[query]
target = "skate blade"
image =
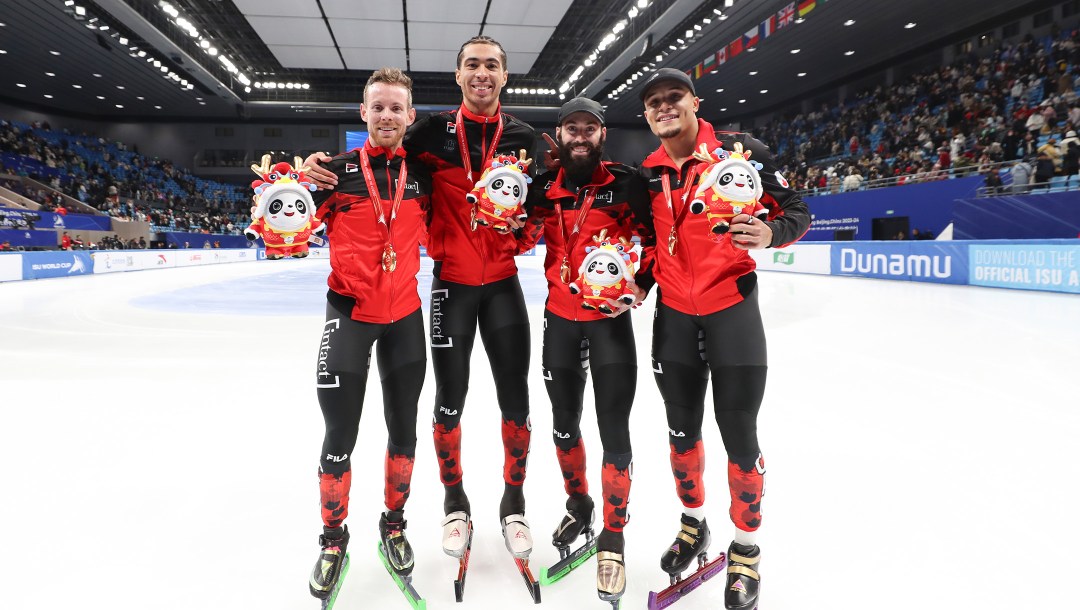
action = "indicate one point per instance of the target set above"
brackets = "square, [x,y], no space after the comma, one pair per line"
[328,603]
[530,580]
[615,601]
[404,583]
[463,568]
[567,564]
[677,591]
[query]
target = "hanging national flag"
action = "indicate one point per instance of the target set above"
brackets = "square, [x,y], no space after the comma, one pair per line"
[721,56]
[768,27]
[709,65]
[750,38]
[698,71]
[805,6]
[786,16]
[690,73]
[734,48]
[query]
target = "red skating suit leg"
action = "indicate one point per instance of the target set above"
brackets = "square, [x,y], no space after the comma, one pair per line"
[747,488]
[334,495]
[448,450]
[516,439]
[572,464]
[399,467]
[688,468]
[615,478]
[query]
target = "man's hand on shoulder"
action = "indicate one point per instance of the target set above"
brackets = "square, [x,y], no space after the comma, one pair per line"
[319,175]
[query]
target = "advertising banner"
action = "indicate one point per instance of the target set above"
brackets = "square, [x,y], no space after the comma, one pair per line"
[29,239]
[1025,266]
[37,265]
[917,261]
[111,261]
[798,258]
[74,222]
[928,207]
[11,267]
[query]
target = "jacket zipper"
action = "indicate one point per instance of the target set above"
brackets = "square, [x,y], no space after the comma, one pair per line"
[686,243]
[390,237]
[483,250]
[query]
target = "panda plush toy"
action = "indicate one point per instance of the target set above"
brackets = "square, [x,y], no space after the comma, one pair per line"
[500,193]
[729,186]
[607,274]
[284,212]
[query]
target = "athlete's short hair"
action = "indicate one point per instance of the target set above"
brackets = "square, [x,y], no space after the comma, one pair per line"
[482,40]
[390,76]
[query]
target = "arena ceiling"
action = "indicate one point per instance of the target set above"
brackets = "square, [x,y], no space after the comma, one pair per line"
[129,60]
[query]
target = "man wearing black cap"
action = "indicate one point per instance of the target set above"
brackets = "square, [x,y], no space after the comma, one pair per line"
[588,209]
[708,324]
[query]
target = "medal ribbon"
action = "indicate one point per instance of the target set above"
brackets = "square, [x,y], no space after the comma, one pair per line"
[569,241]
[373,190]
[677,220]
[463,145]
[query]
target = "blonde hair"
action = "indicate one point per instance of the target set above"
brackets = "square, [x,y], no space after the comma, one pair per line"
[390,76]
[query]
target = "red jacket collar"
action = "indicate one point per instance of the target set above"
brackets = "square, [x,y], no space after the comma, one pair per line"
[480,118]
[706,135]
[382,151]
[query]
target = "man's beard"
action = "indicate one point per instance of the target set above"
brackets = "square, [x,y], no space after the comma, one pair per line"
[668,130]
[580,169]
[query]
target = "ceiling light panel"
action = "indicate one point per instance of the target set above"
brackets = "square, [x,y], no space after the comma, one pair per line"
[441,11]
[515,12]
[373,59]
[365,34]
[521,63]
[439,36]
[520,38]
[289,30]
[277,8]
[319,58]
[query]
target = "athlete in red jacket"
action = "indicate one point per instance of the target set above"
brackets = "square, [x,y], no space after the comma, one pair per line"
[577,207]
[475,285]
[708,323]
[375,224]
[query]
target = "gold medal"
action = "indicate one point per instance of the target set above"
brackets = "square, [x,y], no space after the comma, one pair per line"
[564,271]
[389,259]
[672,240]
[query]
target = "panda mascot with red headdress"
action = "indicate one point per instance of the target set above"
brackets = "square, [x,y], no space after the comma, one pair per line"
[284,212]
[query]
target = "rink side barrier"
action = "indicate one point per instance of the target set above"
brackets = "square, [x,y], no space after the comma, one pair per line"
[39,265]
[1051,265]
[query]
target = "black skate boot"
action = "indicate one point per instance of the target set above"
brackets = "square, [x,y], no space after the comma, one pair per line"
[392,535]
[577,520]
[692,541]
[743,580]
[329,567]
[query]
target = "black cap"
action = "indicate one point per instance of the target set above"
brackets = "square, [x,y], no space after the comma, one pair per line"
[581,104]
[666,75]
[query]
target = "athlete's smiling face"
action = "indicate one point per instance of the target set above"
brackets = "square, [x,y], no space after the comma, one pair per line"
[481,76]
[387,112]
[670,108]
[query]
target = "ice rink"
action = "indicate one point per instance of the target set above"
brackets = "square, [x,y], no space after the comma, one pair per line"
[161,436]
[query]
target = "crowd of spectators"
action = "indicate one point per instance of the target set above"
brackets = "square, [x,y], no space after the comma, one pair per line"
[975,115]
[117,181]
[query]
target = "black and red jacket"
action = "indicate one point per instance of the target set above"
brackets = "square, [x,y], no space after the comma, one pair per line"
[466,256]
[707,273]
[357,239]
[621,206]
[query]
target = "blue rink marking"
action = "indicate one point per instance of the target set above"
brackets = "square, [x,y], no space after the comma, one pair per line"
[291,292]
